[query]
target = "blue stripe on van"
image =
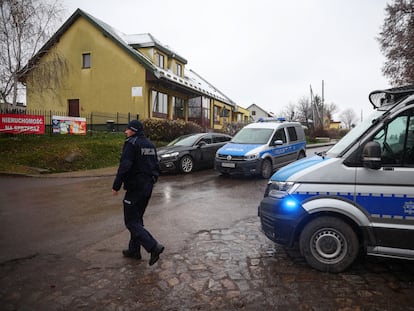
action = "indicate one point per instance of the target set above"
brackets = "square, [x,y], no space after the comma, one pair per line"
[389,206]
[285,172]
[285,149]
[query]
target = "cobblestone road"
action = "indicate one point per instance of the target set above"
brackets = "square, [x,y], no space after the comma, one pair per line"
[233,268]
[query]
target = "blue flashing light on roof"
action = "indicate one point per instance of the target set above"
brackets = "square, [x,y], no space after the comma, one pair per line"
[279,119]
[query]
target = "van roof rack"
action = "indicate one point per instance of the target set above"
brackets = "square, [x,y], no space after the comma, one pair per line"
[390,96]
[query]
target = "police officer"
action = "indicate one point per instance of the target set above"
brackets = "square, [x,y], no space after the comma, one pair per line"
[138,171]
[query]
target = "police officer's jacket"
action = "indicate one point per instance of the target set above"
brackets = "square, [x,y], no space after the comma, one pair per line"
[138,165]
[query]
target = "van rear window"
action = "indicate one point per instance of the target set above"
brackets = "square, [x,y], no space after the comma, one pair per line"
[292,133]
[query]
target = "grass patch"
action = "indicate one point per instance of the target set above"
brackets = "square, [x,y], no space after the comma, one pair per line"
[59,153]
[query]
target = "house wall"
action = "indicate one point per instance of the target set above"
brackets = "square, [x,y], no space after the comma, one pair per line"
[105,87]
[242,115]
[217,122]
[256,112]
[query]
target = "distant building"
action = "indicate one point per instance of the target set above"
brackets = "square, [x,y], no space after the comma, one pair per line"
[256,112]
[335,125]
[101,69]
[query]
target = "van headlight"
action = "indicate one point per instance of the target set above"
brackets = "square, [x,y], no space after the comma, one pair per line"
[251,157]
[278,189]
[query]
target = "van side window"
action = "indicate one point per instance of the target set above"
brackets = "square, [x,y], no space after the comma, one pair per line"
[280,135]
[397,140]
[292,133]
[409,152]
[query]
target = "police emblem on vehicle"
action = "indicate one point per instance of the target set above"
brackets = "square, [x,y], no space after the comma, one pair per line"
[409,208]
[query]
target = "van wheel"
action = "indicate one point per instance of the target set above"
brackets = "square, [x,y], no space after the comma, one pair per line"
[329,244]
[267,169]
[186,164]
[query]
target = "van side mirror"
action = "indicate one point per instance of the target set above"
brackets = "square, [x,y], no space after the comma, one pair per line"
[371,155]
[278,142]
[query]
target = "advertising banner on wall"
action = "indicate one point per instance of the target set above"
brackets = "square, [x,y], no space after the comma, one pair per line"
[22,124]
[68,125]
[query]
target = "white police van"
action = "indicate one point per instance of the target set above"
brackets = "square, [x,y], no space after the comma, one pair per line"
[260,148]
[359,195]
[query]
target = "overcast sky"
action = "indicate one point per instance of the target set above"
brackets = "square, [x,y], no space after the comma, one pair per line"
[266,52]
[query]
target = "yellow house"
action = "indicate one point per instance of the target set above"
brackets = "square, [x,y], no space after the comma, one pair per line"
[90,67]
[335,125]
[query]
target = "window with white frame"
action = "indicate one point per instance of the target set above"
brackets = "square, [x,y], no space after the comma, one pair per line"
[159,104]
[216,115]
[160,60]
[178,108]
[179,70]
[206,108]
[194,107]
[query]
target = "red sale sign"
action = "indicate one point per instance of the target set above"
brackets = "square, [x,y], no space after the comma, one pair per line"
[22,124]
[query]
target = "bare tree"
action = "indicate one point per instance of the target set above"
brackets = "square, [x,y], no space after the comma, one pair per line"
[397,42]
[330,110]
[25,25]
[305,111]
[348,117]
[317,111]
[289,112]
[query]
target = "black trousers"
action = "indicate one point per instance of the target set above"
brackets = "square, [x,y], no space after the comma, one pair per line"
[135,203]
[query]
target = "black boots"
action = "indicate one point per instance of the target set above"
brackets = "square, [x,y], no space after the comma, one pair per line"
[131,254]
[155,253]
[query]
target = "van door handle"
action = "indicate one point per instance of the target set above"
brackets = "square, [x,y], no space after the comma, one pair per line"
[387,168]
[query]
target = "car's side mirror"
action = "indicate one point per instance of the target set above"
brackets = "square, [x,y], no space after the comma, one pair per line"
[201,143]
[371,155]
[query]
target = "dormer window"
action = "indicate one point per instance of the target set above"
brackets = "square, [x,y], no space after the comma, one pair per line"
[179,70]
[86,60]
[160,60]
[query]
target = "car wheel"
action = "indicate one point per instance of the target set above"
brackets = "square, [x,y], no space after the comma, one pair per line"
[267,169]
[329,244]
[301,155]
[186,164]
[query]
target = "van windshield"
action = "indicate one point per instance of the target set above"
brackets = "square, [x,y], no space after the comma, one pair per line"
[353,135]
[252,136]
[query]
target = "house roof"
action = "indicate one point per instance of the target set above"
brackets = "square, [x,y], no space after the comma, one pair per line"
[191,81]
[148,40]
[252,106]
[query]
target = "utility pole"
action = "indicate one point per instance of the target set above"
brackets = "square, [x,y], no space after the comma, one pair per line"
[312,105]
[322,104]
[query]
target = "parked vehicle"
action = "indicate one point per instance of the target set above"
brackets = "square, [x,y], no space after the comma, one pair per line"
[262,147]
[189,152]
[359,195]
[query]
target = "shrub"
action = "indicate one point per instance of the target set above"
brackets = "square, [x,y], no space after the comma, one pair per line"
[167,130]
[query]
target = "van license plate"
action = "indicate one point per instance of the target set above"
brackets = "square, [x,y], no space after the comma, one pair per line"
[227,164]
